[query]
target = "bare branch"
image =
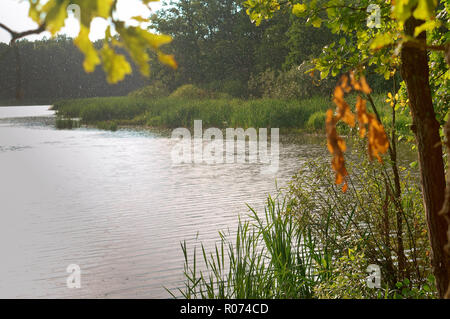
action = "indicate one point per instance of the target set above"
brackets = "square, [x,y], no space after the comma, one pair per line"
[18,35]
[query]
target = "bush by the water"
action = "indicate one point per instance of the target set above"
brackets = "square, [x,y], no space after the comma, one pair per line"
[189,91]
[227,88]
[152,91]
[316,121]
[291,84]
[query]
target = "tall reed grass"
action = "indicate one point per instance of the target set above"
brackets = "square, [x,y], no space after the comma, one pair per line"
[270,257]
[172,112]
[175,112]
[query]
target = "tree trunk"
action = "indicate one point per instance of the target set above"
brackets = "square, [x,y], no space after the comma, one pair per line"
[415,72]
[445,212]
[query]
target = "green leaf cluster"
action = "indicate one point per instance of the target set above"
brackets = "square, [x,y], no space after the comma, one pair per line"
[136,40]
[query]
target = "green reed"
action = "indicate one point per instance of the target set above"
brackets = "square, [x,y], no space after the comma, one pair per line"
[173,112]
[269,256]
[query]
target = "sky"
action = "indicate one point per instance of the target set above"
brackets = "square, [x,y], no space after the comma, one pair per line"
[14,14]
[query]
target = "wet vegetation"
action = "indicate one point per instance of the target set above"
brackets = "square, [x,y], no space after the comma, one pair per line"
[314,241]
[181,109]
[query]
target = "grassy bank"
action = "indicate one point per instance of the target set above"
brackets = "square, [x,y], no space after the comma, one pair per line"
[171,112]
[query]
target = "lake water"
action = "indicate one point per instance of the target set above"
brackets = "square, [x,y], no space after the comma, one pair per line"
[113,203]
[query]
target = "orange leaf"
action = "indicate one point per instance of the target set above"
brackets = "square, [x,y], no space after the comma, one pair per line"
[345,187]
[378,142]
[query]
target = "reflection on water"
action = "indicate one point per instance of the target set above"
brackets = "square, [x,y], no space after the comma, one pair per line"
[113,204]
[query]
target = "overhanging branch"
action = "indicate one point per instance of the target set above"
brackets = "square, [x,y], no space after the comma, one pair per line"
[18,35]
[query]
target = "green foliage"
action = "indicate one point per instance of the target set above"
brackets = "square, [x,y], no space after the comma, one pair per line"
[405,290]
[365,216]
[154,90]
[289,85]
[222,112]
[189,91]
[316,121]
[235,113]
[60,63]
[439,67]
[182,113]
[270,257]
[225,112]
[95,110]
[136,40]
[66,124]
[234,88]
[348,279]
[107,126]
[218,48]
[213,41]
[341,17]
[355,45]
[304,42]
[175,112]
[318,242]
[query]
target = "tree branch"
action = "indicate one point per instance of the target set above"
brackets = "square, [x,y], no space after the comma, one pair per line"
[423,46]
[18,35]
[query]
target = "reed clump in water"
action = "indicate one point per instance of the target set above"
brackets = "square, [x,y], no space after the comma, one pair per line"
[66,123]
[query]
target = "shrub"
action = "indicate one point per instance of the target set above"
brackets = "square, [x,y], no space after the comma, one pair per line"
[220,96]
[234,88]
[154,90]
[189,91]
[293,84]
[366,214]
[348,279]
[226,89]
[316,121]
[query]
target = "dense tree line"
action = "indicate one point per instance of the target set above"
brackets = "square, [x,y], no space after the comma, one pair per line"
[215,44]
[219,48]
[52,69]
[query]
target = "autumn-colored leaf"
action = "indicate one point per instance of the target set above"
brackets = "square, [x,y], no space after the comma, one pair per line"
[168,60]
[378,142]
[363,118]
[360,84]
[336,146]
